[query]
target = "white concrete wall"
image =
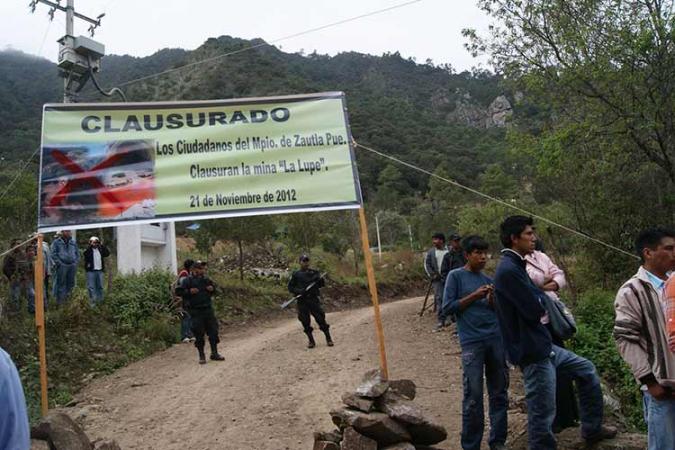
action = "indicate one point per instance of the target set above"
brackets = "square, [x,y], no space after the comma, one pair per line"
[141,247]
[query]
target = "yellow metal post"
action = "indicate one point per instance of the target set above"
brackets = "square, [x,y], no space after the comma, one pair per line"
[372,286]
[40,323]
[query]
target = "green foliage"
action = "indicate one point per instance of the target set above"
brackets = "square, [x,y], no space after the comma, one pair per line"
[594,313]
[204,240]
[390,185]
[242,230]
[604,64]
[484,221]
[497,183]
[139,297]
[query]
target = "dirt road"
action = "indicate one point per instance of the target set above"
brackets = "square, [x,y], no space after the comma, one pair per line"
[271,393]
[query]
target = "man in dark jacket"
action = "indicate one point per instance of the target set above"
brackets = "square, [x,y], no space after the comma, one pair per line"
[456,258]
[305,284]
[437,266]
[94,266]
[19,269]
[522,321]
[65,256]
[197,291]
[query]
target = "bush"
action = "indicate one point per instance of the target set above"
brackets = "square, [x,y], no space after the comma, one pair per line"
[137,298]
[595,320]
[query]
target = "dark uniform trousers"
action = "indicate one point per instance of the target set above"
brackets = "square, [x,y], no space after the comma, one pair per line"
[311,306]
[204,322]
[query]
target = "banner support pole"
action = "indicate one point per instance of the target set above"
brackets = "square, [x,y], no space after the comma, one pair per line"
[40,323]
[372,286]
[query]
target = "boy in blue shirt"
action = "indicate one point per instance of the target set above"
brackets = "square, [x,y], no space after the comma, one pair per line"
[469,296]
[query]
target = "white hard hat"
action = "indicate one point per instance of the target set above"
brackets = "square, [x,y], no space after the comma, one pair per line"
[94,239]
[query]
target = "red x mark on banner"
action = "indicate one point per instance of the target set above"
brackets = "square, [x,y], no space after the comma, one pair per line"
[84,177]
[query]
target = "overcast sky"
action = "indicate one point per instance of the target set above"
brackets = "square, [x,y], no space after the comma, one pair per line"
[427,29]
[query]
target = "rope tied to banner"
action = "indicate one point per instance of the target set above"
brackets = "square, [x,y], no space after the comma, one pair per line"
[32,238]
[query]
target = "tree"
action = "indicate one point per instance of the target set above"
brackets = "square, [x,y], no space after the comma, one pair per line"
[341,235]
[204,240]
[304,230]
[497,183]
[605,63]
[240,230]
[390,186]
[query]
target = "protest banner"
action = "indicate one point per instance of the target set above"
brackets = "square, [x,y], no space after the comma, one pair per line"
[116,163]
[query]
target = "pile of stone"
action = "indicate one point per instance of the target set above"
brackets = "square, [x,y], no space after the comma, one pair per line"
[381,415]
[57,431]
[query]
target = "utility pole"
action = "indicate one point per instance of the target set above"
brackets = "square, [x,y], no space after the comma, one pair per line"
[78,58]
[70,29]
[379,245]
[77,55]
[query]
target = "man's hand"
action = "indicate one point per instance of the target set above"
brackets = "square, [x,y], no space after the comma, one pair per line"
[482,291]
[491,296]
[671,343]
[551,286]
[209,288]
[194,290]
[659,392]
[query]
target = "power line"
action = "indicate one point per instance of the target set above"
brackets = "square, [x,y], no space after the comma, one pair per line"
[496,200]
[11,183]
[274,41]
[44,39]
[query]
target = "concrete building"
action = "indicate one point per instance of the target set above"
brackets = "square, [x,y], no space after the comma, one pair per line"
[142,247]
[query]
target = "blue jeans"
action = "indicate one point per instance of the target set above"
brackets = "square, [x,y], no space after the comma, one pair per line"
[26,286]
[660,419]
[185,326]
[65,282]
[477,357]
[540,383]
[95,286]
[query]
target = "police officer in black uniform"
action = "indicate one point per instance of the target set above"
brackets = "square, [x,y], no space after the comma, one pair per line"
[305,283]
[197,291]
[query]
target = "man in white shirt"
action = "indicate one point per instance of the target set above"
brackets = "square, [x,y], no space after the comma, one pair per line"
[436,265]
[95,268]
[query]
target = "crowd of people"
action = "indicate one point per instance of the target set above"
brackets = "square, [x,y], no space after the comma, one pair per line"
[517,318]
[60,263]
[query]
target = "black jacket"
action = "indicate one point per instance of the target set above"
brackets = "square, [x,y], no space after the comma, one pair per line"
[301,279]
[456,259]
[89,257]
[519,312]
[431,265]
[202,299]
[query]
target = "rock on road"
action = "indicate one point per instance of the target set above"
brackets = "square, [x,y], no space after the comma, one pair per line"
[271,393]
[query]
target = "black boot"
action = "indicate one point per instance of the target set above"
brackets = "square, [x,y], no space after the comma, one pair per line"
[215,356]
[311,343]
[202,356]
[329,341]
